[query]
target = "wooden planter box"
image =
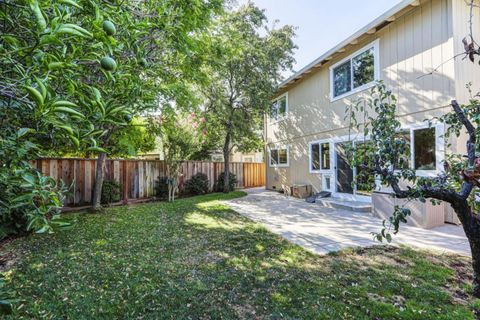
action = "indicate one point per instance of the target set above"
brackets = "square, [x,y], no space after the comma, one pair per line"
[423,215]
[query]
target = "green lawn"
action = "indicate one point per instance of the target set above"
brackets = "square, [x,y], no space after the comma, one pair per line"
[197,259]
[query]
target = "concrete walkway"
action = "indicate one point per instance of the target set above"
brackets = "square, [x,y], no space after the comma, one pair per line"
[322,230]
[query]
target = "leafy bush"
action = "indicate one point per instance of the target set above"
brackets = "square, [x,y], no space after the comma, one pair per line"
[232,181]
[6,298]
[111,192]
[198,184]
[161,187]
[29,201]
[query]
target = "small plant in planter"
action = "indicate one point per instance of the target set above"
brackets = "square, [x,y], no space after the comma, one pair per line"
[111,192]
[198,184]
[232,181]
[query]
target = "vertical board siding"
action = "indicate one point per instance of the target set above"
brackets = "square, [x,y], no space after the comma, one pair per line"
[138,177]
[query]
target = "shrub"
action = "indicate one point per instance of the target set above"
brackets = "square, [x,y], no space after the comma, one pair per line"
[161,187]
[6,297]
[232,181]
[111,192]
[198,184]
[29,201]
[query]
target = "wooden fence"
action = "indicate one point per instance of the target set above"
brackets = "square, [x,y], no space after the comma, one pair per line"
[138,177]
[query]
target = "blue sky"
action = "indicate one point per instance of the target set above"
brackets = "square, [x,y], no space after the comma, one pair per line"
[322,24]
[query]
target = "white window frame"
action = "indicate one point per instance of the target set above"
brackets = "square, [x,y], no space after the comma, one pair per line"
[320,142]
[376,64]
[278,165]
[439,148]
[278,119]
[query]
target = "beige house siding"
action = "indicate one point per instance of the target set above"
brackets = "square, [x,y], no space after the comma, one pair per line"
[416,61]
[464,71]
[409,49]
[238,156]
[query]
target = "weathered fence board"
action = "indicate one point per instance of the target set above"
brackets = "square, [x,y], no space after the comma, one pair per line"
[138,177]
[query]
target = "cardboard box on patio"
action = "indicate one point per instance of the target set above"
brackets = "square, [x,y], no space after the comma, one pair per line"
[301,191]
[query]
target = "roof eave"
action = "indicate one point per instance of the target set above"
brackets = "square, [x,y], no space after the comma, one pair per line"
[387,16]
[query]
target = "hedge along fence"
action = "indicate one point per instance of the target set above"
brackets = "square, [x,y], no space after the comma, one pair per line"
[138,177]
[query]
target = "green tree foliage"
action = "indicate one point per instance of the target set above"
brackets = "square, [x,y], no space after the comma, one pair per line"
[76,72]
[137,137]
[387,152]
[36,109]
[244,66]
[182,137]
[28,200]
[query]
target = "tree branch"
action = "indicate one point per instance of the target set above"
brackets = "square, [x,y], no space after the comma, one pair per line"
[467,186]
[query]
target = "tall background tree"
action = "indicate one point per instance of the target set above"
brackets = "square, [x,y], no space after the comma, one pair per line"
[245,63]
[182,136]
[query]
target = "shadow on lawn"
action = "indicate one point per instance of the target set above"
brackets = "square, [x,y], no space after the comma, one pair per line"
[198,259]
[274,277]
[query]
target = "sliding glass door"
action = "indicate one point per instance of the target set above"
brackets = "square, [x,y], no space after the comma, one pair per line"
[346,175]
[343,169]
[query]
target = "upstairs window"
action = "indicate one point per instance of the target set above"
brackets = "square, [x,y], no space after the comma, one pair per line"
[279,108]
[319,156]
[342,79]
[355,73]
[279,157]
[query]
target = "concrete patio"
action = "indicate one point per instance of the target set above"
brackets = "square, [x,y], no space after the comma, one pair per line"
[322,229]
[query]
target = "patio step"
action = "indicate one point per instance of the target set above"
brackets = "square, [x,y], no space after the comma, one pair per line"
[356,206]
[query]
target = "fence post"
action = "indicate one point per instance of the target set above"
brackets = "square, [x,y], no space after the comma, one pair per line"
[244,170]
[125,181]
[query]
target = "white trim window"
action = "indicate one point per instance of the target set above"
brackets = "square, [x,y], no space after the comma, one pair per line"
[279,108]
[320,156]
[279,157]
[427,147]
[355,73]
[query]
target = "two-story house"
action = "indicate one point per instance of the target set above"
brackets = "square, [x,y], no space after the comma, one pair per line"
[411,48]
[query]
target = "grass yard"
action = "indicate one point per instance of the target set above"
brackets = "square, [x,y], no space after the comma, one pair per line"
[197,259]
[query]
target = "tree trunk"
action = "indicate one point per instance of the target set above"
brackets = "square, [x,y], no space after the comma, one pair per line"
[474,240]
[472,231]
[97,189]
[471,226]
[172,189]
[226,161]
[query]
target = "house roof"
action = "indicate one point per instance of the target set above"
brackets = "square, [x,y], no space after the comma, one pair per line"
[370,29]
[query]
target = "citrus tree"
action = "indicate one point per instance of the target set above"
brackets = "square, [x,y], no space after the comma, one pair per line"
[75,72]
[37,108]
[244,66]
